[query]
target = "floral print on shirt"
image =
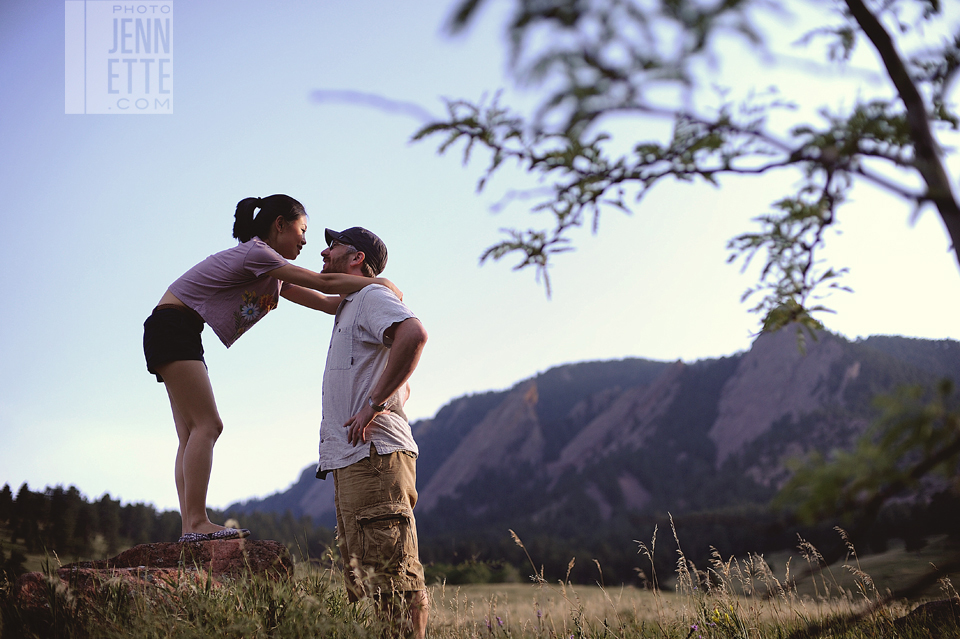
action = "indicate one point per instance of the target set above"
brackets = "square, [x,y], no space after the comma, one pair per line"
[252,308]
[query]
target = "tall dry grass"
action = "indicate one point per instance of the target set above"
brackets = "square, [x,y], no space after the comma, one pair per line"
[732,597]
[727,598]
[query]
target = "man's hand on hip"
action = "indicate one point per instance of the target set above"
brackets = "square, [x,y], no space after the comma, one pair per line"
[360,425]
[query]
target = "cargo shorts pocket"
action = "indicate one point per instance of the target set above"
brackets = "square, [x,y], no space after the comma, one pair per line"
[385,539]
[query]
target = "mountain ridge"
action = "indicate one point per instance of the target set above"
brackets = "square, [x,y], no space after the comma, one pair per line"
[607,441]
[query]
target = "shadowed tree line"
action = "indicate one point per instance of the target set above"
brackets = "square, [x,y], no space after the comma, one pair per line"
[611,553]
[64,522]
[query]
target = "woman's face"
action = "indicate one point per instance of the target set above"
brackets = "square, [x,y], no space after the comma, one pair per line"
[290,238]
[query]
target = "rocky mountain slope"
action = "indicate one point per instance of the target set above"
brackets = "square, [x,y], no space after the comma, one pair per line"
[595,443]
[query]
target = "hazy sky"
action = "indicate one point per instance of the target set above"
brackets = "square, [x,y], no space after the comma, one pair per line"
[102,212]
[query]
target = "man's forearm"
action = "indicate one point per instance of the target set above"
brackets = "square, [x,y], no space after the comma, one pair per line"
[408,342]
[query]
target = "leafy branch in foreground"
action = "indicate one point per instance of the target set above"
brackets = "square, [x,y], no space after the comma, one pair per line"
[918,434]
[620,58]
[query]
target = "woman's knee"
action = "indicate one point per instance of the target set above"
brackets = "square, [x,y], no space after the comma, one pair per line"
[208,429]
[212,428]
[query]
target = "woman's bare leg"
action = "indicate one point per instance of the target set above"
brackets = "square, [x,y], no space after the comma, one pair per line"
[182,436]
[198,427]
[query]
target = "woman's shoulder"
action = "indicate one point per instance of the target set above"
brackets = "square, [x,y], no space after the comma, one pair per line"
[258,256]
[254,247]
[240,257]
[240,248]
[254,243]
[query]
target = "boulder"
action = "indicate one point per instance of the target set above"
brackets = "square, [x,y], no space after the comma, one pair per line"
[153,569]
[231,558]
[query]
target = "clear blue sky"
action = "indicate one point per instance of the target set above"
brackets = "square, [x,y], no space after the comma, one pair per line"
[102,212]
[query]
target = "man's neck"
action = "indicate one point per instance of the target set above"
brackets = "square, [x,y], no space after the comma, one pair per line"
[355,271]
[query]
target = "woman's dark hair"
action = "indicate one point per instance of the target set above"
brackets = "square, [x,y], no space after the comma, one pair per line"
[246,226]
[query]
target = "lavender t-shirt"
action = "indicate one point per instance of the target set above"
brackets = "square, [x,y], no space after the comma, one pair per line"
[230,289]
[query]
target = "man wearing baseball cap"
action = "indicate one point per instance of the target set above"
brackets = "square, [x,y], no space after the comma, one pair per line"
[365,439]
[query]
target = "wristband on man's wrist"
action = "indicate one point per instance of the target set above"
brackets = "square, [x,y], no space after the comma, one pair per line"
[377,407]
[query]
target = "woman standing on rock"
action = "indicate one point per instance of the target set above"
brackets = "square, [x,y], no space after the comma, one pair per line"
[230,290]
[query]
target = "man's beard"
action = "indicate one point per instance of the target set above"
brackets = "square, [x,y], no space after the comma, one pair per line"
[338,265]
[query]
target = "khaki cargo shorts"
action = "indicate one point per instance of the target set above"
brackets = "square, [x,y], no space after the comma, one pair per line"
[376,531]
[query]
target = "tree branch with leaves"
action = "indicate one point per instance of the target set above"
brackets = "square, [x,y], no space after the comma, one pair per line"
[601,58]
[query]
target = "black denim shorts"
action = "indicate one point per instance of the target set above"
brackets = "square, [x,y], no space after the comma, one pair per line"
[171,334]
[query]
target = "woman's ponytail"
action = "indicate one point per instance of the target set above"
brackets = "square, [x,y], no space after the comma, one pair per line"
[246,227]
[243,228]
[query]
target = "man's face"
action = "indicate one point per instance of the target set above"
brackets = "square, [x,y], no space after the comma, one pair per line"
[336,257]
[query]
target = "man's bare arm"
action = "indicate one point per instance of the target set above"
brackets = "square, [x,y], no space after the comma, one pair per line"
[409,338]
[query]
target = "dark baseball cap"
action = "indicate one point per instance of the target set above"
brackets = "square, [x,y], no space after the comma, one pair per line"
[372,247]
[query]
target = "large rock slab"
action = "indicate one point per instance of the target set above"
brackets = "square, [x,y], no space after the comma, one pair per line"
[153,569]
[231,558]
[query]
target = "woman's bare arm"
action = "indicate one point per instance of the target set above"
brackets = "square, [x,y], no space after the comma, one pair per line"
[330,283]
[311,298]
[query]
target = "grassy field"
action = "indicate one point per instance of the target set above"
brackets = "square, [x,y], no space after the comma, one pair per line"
[889,571]
[746,597]
[560,610]
[312,604]
[753,597]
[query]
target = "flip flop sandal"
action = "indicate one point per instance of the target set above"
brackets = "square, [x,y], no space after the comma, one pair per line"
[228,533]
[190,538]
